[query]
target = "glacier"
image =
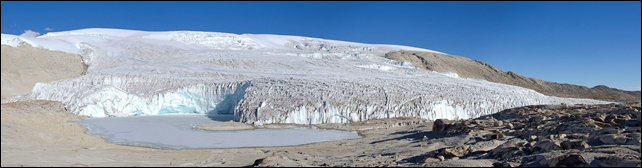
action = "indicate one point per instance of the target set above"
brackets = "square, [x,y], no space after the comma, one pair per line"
[261,79]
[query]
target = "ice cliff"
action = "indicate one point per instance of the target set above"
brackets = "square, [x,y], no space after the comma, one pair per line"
[261,79]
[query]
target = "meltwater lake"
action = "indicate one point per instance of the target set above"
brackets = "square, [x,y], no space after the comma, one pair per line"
[175,132]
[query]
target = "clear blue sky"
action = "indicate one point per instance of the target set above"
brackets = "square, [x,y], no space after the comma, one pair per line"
[583,43]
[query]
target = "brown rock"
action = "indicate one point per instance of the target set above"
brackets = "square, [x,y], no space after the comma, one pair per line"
[538,119]
[459,151]
[572,160]
[505,152]
[509,126]
[440,125]
[610,118]
[497,136]
[497,164]
[574,145]
[547,145]
[600,117]
[498,123]
[515,142]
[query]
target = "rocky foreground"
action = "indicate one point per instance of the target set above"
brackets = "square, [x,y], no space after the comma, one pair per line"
[547,135]
[531,136]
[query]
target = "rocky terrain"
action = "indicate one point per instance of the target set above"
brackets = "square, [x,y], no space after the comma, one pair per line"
[37,133]
[547,135]
[468,68]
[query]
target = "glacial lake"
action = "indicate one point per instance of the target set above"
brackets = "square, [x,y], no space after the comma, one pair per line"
[175,132]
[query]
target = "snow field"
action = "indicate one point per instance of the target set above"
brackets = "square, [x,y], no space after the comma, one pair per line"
[261,79]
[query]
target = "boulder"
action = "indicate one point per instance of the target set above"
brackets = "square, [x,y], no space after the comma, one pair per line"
[547,145]
[506,152]
[498,123]
[510,126]
[459,151]
[511,148]
[439,125]
[514,142]
[572,160]
[497,136]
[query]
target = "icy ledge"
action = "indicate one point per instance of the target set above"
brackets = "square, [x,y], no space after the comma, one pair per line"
[105,99]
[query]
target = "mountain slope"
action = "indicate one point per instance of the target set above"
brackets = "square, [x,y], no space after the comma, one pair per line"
[23,66]
[469,68]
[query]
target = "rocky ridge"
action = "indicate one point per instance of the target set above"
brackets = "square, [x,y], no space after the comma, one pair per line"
[468,68]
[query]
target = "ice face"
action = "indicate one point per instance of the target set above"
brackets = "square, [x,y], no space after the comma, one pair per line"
[101,99]
[264,79]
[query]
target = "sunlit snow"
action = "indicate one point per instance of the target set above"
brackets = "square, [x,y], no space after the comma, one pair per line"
[261,79]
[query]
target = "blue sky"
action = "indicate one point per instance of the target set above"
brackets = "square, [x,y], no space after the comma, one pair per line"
[583,43]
